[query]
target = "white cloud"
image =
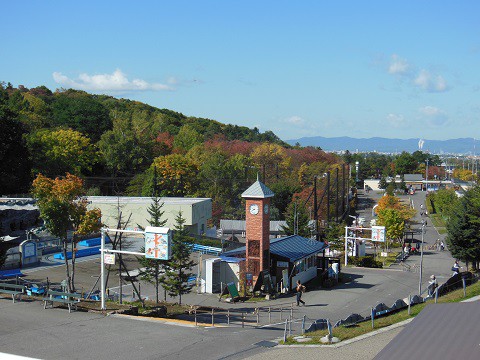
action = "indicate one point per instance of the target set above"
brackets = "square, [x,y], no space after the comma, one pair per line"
[397,121]
[107,82]
[422,79]
[434,116]
[430,83]
[294,120]
[398,65]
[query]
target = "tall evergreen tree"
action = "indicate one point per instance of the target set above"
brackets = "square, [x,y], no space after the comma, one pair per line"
[154,269]
[297,220]
[382,184]
[178,267]
[463,228]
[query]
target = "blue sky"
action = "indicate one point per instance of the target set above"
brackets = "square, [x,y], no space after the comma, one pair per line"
[407,69]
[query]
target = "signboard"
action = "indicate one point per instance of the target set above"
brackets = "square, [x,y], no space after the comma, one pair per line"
[249,278]
[282,264]
[30,250]
[157,243]
[109,259]
[232,289]
[378,233]
[285,279]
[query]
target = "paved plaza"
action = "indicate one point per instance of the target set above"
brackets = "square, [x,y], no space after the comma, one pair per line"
[29,330]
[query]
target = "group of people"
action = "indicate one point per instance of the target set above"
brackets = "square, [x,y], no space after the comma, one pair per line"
[432,284]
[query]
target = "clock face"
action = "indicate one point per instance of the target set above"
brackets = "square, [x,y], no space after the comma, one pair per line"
[265,209]
[254,209]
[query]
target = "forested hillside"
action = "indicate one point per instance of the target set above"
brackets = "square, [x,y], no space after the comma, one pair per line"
[124,147]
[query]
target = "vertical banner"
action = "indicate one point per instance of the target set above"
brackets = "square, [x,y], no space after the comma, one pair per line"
[378,233]
[158,243]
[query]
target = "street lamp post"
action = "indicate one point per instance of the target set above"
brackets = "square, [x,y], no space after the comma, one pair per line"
[426,177]
[421,264]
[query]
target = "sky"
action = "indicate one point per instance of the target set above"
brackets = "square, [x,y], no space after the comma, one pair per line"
[405,69]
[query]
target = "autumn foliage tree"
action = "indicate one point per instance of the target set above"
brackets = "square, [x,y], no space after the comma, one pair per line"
[63,208]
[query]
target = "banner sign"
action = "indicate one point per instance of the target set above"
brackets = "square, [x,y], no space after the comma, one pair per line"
[158,243]
[109,259]
[378,233]
[249,279]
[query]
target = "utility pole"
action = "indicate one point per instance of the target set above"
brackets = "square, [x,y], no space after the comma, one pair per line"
[421,264]
[336,200]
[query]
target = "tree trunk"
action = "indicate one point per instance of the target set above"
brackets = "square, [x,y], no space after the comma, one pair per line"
[67,269]
[72,285]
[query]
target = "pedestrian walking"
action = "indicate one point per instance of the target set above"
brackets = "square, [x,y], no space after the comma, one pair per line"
[300,290]
[442,246]
[432,285]
[455,268]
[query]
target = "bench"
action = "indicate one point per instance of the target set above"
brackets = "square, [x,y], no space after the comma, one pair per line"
[69,299]
[12,289]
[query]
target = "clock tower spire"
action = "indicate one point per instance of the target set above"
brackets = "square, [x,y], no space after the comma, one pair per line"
[257,198]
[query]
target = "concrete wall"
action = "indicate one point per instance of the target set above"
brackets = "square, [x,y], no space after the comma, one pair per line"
[195,211]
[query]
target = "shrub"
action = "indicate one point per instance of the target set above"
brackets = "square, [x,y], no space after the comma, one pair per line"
[365,261]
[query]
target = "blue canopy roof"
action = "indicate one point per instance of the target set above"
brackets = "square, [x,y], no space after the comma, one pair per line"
[293,248]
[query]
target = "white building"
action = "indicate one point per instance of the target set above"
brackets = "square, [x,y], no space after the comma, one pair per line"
[195,211]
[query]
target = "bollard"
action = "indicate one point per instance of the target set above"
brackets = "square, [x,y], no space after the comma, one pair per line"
[373,318]
[291,312]
[258,315]
[409,303]
[290,328]
[330,331]
[228,316]
[303,324]
[436,295]
[195,312]
[285,332]
[139,292]
[464,287]
[213,323]
[269,315]
[243,320]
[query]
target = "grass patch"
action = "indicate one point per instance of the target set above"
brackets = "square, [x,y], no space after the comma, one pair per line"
[344,333]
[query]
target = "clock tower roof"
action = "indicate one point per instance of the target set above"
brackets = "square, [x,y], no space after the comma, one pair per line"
[258,190]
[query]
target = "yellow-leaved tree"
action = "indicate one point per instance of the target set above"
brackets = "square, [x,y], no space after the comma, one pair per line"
[63,208]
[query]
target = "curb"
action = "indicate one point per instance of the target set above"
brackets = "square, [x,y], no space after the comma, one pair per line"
[358,338]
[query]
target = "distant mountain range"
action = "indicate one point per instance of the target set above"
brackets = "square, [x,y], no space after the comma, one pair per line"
[453,146]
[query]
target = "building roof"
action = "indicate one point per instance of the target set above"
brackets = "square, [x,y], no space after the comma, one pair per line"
[258,190]
[440,331]
[144,200]
[413,177]
[293,248]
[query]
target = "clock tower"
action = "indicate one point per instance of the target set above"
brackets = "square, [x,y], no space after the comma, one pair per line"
[257,198]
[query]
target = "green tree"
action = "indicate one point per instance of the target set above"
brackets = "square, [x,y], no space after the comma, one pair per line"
[187,138]
[177,270]
[57,152]
[63,207]
[394,223]
[382,183]
[153,269]
[405,163]
[14,165]
[297,220]
[463,228]
[334,236]
[82,112]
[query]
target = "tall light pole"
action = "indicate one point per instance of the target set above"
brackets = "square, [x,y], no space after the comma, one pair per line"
[426,176]
[421,264]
